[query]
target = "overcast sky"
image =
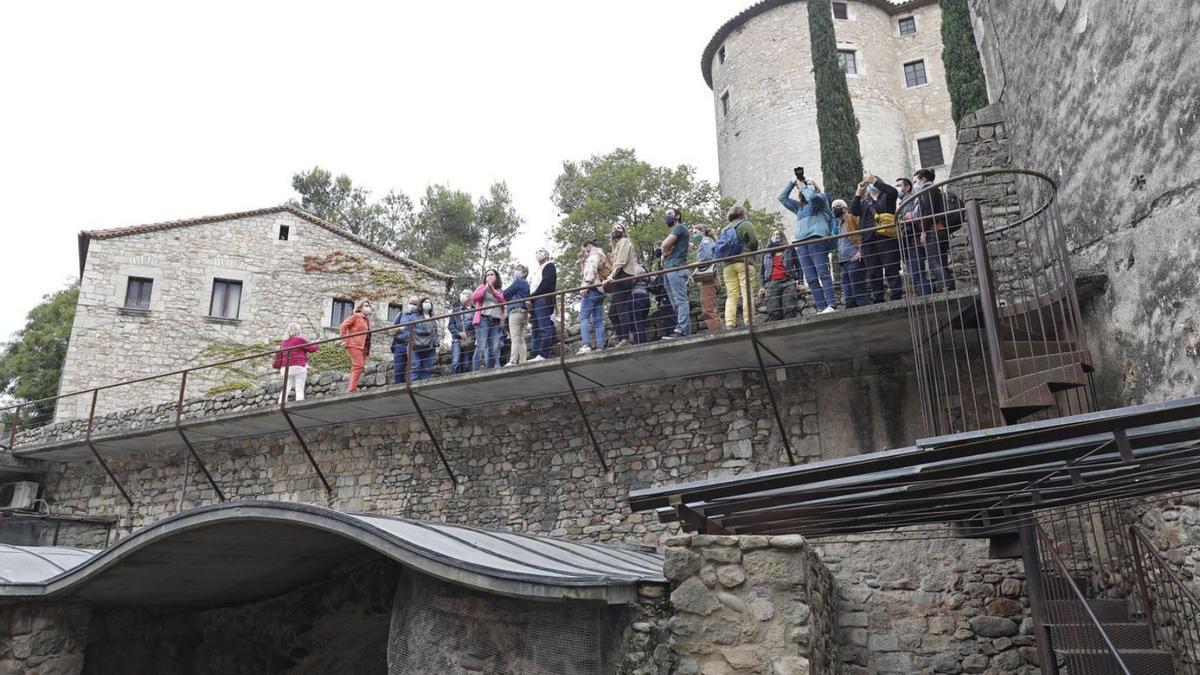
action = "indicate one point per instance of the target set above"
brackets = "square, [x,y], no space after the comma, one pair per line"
[121,113]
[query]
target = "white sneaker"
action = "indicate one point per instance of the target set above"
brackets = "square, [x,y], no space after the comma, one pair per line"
[586,349]
[828,310]
[539,357]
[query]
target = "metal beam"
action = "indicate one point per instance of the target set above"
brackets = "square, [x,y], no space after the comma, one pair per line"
[191,449]
[748,313]
[96,453]
[417,406]
[562,362]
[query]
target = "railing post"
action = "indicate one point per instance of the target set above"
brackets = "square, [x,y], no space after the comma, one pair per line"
[12,435]
[1140,570]
[987,295]
[96,453]
[1037,599]
[186,441]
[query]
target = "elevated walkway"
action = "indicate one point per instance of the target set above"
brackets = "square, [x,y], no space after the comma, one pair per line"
[874,330]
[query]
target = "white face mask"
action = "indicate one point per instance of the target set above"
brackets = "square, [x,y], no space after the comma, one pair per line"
[410,307]
[427,307]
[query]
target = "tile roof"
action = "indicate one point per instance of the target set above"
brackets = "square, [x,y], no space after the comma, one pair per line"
[112,233]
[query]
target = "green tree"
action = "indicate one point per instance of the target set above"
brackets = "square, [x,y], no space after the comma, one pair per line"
[31,365]
[594,194]
[841,160]
[497,222]
[964,69]
[338,200]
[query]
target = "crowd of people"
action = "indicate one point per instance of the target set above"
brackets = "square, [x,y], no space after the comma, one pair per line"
[871,244]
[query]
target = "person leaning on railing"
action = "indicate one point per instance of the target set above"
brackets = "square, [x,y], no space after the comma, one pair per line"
[708,277]
[357,341]
[462,336]
[293,357]
[624,263]
[935,237]
[738,237]
[595,267]
[674,254]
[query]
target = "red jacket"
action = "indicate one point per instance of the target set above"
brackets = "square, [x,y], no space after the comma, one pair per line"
[294,352]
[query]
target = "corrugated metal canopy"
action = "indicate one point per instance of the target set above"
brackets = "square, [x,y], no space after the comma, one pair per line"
[981,481]
[241,551]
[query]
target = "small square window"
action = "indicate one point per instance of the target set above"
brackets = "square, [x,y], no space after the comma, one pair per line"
[848,60]
[342,309]
[284,232]
[721,54]
[395,309]
[226,300]
[725,104]
[908,26]
[914,74]
[840,11]
[137,293]
[930,151]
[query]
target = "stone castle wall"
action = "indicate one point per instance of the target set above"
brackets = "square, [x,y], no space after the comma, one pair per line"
[282,281]
[771,125]
[1101,98]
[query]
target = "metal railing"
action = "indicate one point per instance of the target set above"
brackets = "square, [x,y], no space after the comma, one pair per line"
[558,302]
[1167,600]
[1015,350]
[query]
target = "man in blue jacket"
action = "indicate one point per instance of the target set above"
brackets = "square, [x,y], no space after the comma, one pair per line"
[462,336]
[518,317]
[813,215]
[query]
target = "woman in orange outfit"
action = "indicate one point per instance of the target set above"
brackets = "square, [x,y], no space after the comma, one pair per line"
[358,346]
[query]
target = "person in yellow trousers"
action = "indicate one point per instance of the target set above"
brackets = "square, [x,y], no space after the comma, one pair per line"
[737,238]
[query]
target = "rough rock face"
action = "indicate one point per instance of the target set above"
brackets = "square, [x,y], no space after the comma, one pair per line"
[1113,119]
[751,604]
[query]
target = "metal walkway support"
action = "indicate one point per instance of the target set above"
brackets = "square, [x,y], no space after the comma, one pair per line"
[748,313]
[562,361]
[186,441]
[96,453]
[303,445]
[421,413]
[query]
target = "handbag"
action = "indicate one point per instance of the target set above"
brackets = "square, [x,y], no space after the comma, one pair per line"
[705,274]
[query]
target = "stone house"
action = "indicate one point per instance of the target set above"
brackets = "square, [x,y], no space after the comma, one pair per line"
[165,296]
[759,67]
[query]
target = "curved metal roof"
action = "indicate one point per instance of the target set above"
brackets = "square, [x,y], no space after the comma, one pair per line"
[240,551]
[764,6]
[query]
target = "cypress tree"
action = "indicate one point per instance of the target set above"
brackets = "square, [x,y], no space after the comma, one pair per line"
[964,70]
[841,160]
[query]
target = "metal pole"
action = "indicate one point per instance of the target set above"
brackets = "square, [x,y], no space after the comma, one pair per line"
[748,313]
[987,296]
[1037,599]
[417,406]
[296,432]
[562,362]
[12,436]
[186,441]
[96,453]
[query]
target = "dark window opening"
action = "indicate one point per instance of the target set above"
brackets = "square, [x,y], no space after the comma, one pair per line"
[840,11]
[848,61]
[725,104]
[342,309]
[284,232]
[930,151]
[226,299]
[908,26]
[137,293]
[721,54]
[914,74]
[395,309]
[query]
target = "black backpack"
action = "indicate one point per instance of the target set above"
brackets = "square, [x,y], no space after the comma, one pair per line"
[954,212]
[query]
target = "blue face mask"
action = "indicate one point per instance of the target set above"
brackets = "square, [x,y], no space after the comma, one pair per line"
[669,219]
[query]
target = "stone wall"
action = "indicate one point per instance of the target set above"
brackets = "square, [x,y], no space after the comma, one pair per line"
[924,602]
[282,281]
[529,465]
[771,124]
[1100,96]
[750,604]
[43,639]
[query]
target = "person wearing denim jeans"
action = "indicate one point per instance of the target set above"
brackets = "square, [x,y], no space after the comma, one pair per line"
[458,326]
[875,208]
[543,308]
[813,216]
[489,311]
[400,340]
[935,239]
[850,257]
[425,341]
[674,251]
[591,310]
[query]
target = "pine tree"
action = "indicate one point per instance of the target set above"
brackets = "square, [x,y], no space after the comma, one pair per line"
[964,70]
[841,160]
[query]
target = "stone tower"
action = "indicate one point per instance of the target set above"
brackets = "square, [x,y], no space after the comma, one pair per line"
[759,66]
